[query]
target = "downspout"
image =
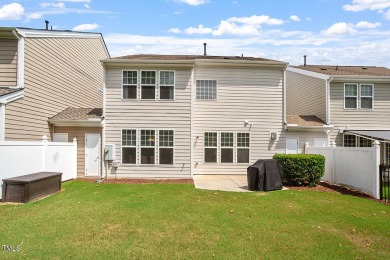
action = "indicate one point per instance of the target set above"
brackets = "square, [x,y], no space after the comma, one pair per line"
[192,122]
[104,167]
[284,98]
[20,65]
[328,81]
[2,122]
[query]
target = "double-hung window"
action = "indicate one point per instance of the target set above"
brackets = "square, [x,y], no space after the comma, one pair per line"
[148,140]
[129,147]
[349,140]
[148,85]
[226,147]
[167,85]
[206,89]
[210,147]
[243,146]
[350,95]
[130,81]
[166,144]
[366,96]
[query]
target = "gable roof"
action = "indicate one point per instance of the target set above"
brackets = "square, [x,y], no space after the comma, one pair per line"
[335,70]
[78,114]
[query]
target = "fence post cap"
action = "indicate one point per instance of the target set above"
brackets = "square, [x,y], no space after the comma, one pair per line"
[377,143]
[75,140]
[44,138]
[333,144]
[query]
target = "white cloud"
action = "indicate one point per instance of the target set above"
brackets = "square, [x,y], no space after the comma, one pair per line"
[256,20]
[226,27]
[367,25]
[177,12]
[193,2]
[12,11]
[77,1]
[387,15]
[198,30]
[295,18]
[174,30]
[340,29]
[86,27]
[58,5]
[87,6]
[360,5]
[33,16]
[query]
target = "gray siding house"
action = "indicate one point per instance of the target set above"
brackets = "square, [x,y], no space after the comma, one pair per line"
[352,101]
[44,72]
[176,115]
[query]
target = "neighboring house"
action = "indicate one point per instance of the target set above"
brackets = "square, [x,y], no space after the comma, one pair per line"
[352,101]
[174,115]
[43,72]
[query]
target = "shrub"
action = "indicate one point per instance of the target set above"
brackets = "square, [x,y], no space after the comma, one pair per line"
[301,169]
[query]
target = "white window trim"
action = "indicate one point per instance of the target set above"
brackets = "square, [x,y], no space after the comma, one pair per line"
[137,87]
[173,147]
[222,147]
[174,86]
[204,147]
[360,96]
[249,148]
[216,91]
[136,150]
[156,93]
[357,96]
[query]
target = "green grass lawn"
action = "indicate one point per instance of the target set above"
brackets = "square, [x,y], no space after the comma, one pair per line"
[109,221]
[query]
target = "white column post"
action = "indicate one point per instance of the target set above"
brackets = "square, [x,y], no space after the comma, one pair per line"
[44,147]
[377,159]
[306,146]
[2,122]
[75,157]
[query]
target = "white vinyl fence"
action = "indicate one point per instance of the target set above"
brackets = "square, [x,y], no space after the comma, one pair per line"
[21,158]
[356,167]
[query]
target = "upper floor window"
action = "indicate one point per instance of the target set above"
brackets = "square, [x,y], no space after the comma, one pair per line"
[358,97]
[206,89]
[148,85]
[167,85]
[130,84]
[350,95]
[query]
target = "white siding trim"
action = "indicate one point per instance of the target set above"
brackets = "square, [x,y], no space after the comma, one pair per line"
[309,73]
[2,122]
[20,65]
[192,86]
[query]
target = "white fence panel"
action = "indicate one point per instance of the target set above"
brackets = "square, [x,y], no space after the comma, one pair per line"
[350,166]
[20,158]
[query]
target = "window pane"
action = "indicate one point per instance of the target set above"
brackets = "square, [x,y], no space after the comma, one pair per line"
[350,102]
[206,89]
[210,139]
[166,138]
[242,155]
[210,155]
[226,155]
[227,139]
[130,77]
[243,140]
[147,138]
[166,156]
[147,155]
[130,92]
[366,102]
[129,155]
[364,142]
[351,90]
[366,90]
[166,92]
[128,138]
[167,78]
[148,92]
[349,141]
[148,77]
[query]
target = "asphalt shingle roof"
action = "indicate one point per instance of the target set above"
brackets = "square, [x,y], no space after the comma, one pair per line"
[302,120]
[346,70]
[185,57]
[78,114]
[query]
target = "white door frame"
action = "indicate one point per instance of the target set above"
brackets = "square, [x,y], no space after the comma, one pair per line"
[293,138]
[85,155]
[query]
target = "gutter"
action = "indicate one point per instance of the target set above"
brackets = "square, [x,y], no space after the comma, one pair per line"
[314,128]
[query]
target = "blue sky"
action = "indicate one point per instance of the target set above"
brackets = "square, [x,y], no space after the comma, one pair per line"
[337,32]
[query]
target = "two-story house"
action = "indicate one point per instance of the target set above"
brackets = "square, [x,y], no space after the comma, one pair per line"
[177,115]
[44,72]
[353,102]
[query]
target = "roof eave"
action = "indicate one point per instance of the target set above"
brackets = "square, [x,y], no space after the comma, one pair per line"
[361,78]
[5,99]
[84,123]
[322,128]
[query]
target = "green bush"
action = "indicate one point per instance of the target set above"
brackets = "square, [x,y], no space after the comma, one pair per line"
[301,169]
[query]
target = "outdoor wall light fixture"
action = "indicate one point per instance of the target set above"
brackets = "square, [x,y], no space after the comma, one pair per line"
[246,123]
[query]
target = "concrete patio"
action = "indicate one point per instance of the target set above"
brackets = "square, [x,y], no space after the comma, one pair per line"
[235,183]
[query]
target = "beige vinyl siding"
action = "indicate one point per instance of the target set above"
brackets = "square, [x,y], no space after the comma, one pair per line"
[305,95]
[144,115]
[8,62]
[79,133]
[253,94]
[59,73]
[359,119]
